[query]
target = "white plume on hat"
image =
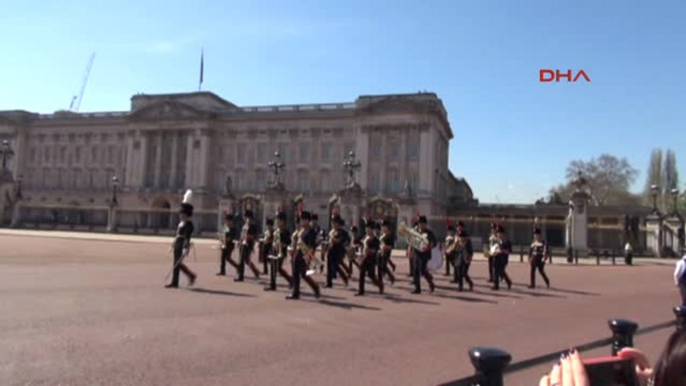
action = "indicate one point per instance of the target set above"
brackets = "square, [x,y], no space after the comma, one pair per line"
[188,196]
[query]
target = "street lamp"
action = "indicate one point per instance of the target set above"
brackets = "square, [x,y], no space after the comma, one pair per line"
[675,196]
[351,166]
[115,186]
[654,190]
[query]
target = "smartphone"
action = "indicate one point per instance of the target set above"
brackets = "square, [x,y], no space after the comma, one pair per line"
[611,371]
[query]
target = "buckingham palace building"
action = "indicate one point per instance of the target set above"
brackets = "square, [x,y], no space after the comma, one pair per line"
[73,168]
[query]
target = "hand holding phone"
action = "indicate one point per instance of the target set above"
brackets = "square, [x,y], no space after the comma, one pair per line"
[611,371]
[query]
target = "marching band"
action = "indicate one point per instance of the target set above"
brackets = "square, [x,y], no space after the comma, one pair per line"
[370,252]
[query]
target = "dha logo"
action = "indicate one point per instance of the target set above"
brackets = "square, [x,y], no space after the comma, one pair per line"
[550,75]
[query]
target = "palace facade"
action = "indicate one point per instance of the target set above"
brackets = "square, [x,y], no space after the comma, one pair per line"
[167,143]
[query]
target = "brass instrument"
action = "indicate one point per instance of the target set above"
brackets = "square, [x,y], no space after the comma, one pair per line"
[453,245]
[413,238]
[312,261]
[276,246]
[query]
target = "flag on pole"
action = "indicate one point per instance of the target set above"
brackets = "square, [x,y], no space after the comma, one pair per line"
[202,67]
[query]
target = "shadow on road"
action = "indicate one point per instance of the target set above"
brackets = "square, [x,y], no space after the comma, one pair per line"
[219,292]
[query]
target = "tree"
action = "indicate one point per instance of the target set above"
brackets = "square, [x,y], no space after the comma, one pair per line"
[663,172]
[608,179]
[654,176]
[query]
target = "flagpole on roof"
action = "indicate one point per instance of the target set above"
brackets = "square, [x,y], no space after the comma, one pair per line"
[202,67]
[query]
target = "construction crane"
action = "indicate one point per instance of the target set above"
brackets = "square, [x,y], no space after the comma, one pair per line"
[75,104]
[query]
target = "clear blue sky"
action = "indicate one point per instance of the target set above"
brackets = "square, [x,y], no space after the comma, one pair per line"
[513,135]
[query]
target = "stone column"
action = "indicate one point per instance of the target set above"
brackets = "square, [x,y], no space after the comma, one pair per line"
[351,202]
[158,159]
[174,160]
[577,226]
[16,214]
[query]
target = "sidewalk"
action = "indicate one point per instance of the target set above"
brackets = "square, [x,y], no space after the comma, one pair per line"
[98,236]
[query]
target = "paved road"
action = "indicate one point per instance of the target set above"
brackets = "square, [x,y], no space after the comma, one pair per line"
[94,312]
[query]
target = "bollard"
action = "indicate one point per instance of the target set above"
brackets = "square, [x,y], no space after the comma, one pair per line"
[622,334]
[597,257]
[489,364]
[680,312]
[576,258]
[613,257]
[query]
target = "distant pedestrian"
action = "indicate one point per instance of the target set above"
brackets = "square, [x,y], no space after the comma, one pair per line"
[680,277]
[628,254]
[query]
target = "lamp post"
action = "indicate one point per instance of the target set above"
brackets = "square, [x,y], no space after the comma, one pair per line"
[675,197]
[654,190]
[115,187]
[112,218]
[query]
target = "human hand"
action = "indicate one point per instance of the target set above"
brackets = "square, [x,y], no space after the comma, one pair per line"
[569,371]
[643,369]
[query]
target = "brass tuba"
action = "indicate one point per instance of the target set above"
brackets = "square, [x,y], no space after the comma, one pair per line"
[413,238]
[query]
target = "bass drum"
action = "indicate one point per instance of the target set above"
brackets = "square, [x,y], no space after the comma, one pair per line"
[436,261]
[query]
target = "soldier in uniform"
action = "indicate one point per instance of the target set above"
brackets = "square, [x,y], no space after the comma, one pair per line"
[265,245]
[463,260]
[319,232]
[182,243]
[227,246]
[449,250]
[370,250]
[356,245]
[248,236]
[387,241]
[282,239]
[421,258]
[410,253]
[338,241]
[502,256]
[538,253]
[306,241]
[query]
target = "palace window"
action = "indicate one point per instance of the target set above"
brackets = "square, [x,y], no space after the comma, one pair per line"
[375,147]
[302,181]
[324,181]
[63,154]
[94,154]
[393,148]
[77,154]
[375,182]
[46,154]
[261,179]
[283,151]
[392,182]
[262,153]
[241,153]
[304,152]
[110,154]
[33,155]
[413,149]
[326,151]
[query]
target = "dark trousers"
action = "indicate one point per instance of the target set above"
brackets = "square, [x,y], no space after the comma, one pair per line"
[491,268]
[334,265]
[225,257]
[179,266]
[276,268]
[419,269]
[264,259]
[245,259]
[384,261]
[682,288]
[629,258]
[300,272]
[538,264]
[368,267]
[499,271]
[462,270]
[449,260]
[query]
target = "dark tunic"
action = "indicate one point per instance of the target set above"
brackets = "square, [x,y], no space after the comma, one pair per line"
[229,234]
[339,241]
[387,241]
[251,231]
[183,236]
